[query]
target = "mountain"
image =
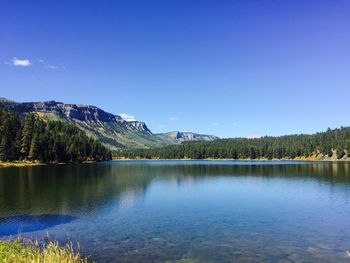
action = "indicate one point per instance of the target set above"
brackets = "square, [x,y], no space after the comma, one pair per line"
[186,136]
[112,130]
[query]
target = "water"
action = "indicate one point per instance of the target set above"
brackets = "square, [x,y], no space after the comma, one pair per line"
[184,211]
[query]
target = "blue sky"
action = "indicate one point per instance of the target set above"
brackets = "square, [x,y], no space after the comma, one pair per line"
[229,68]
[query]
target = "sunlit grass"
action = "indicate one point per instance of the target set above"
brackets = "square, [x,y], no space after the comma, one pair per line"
[18,164]
[26,251]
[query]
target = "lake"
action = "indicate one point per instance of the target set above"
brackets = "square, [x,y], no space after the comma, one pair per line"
[184,211]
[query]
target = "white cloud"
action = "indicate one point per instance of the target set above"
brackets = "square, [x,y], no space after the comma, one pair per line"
[161,126]
[215,124]
[46,65]
[127,117]
[19,62]
[174,118]
[52,67]
[253,136]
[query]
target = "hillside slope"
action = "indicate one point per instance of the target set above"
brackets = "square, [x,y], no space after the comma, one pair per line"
[32,139]
[112,130]
[333,144]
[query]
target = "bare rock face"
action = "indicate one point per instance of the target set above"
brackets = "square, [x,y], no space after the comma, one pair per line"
[110,129]
[85,113]
[138,125]
[189,136]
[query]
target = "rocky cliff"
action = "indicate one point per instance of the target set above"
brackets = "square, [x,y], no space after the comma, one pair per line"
[110,129]
[188,136]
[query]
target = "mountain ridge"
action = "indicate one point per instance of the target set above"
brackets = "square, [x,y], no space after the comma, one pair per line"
[188,136]
[110,129]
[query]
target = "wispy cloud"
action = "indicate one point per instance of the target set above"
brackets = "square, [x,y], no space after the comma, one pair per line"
[235,124]
[161,126]
[26,63]
[127,117]
[253,136]
[174,118]
[47,65]
[19,62]
[215,124]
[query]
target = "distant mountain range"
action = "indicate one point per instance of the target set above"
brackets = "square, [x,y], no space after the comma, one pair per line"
[112,130]
[187,136]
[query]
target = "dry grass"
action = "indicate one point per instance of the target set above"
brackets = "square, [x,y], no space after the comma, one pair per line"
[25,251]
[19,164]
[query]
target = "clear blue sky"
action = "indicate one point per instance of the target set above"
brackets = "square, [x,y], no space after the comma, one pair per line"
[229,68]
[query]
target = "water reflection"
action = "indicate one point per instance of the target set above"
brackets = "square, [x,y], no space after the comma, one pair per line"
[148,211]
[78,188]
[28,223]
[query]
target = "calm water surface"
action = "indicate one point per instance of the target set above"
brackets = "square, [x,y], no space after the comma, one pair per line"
[184,211]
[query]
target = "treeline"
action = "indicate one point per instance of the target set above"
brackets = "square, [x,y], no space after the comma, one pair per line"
[336,141]
[33,139]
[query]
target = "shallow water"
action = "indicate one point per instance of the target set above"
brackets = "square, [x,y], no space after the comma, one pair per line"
[202,211]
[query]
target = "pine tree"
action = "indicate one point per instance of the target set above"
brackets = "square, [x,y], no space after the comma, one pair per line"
[6,145]
[340,153]
[18,143]
[27,134]
[49,141]
[34,148]
[3,149]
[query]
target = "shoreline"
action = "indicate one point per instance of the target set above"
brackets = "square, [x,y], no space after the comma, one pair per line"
[30,250]
[20,164]
[225,159]
[29,164]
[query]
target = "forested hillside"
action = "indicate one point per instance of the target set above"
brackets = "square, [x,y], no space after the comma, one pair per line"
[30,138]
[330,144]
[111,130]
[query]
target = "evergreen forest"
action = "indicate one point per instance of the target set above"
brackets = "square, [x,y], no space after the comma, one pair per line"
[333,143]
[30,138]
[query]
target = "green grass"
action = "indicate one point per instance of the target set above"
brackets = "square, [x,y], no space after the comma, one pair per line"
[26,251]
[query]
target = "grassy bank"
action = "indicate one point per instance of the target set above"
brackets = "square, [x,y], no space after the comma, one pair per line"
[28,163]
[19,164]
[26,251]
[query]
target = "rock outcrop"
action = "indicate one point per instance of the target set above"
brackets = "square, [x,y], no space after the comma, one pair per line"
[189,136]
[110,129]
